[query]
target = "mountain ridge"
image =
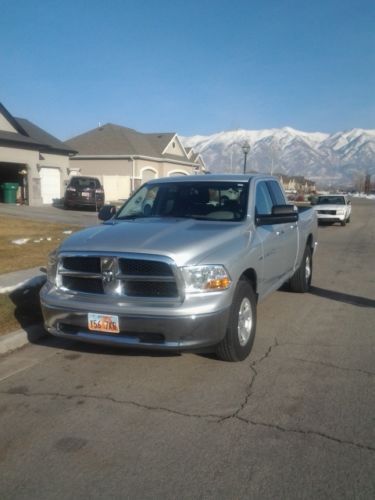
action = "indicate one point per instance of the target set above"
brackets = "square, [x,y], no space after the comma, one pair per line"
[337,158]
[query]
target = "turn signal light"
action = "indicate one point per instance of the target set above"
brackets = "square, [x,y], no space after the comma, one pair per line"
[218,284]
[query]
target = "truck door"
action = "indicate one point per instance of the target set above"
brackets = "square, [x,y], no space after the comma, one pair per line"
[288,232]
[274,266]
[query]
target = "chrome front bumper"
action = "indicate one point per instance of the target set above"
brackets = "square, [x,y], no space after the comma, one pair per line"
[148,332]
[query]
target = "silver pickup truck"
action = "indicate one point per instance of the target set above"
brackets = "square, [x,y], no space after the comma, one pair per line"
[181,265]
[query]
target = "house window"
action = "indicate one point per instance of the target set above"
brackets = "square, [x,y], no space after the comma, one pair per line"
[148,174]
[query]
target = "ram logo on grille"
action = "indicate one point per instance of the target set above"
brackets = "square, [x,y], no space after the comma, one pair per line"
[108,269]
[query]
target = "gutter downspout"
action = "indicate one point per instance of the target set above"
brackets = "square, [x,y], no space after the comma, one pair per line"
[133,173]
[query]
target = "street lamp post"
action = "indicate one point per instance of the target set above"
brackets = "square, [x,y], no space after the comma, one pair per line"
[246,149]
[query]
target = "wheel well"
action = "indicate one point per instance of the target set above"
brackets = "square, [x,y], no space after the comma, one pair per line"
[251,276]
[310,242]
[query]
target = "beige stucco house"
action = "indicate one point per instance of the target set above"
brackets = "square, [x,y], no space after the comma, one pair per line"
[123,158]
[297,184]
[32,158]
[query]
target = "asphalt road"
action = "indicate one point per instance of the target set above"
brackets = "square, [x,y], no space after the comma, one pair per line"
[294,421]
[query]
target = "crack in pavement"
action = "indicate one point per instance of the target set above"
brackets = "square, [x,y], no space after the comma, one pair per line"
[308,432]
[336,367]
[112,400]
[215,418]
[252,381]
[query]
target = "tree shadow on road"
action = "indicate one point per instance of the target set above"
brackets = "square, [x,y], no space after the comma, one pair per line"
[354,300]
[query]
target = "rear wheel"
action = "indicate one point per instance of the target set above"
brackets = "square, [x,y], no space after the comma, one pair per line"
[301,280]
[240,334]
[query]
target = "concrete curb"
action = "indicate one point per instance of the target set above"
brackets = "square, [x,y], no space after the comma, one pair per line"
[14,340]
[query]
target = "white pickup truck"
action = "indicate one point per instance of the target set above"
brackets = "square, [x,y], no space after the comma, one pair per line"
[181,265]
[332,208]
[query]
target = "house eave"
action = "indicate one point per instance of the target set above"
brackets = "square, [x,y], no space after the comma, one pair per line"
[133,157]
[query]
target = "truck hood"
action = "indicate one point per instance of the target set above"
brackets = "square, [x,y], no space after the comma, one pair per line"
[186,241]
[329,206]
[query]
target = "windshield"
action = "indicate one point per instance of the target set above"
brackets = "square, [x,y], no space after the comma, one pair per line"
[225,201]
[331,200]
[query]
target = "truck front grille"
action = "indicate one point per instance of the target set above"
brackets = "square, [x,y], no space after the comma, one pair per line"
[139,267]
[85,264]
[82,284]
[118,276]
[327,212]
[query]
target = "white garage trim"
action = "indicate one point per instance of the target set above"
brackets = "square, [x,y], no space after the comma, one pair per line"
[50,184]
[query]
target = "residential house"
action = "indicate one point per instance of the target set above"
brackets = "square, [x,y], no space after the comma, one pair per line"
[297,184]
[123,158]
[33,159]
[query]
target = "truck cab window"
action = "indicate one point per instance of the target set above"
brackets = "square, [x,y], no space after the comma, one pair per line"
[277,194]
[263,201]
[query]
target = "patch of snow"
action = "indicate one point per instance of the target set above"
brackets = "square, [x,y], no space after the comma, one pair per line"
[20,241]
[363,195]
[68,232]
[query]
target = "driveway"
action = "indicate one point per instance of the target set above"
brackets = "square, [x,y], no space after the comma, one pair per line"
[51,214]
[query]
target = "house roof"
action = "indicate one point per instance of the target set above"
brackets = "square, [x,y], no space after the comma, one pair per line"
[42,137]
[29,135]
[111,139]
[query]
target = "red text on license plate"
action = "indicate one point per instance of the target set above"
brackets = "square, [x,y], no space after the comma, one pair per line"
[103,323]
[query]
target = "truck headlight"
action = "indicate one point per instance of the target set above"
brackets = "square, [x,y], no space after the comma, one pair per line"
[209,278]
[52,267]
[340,211]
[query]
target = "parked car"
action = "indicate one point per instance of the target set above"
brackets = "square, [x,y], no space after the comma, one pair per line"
[332,208]
[84,192]
[179,268]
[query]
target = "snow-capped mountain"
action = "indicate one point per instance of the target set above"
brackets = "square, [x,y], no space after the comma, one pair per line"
[324,158]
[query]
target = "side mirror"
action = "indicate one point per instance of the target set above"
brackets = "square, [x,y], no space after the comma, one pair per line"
[281,214]
[107,212]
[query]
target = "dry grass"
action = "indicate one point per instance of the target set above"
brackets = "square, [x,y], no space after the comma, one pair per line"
[34,253]
[21,308]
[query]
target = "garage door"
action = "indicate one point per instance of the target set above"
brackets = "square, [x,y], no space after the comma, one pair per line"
[50,184]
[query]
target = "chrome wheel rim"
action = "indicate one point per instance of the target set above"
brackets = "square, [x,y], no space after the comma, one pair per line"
[245,321]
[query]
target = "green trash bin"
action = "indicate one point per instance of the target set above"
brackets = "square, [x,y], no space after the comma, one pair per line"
[10,192]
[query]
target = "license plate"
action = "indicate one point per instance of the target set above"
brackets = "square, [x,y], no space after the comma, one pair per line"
[86,195]
[103,323]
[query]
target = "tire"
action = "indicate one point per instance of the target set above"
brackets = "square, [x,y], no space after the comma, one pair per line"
[301,280]
[343,222]
[240,334]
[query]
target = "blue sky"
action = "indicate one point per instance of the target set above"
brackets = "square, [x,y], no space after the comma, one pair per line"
[191,67]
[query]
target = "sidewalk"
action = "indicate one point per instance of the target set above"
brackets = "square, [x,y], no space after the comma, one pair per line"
[17,279]
[26,278]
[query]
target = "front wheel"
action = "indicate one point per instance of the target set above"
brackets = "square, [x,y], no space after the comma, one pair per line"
[240,334]
[301,280]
